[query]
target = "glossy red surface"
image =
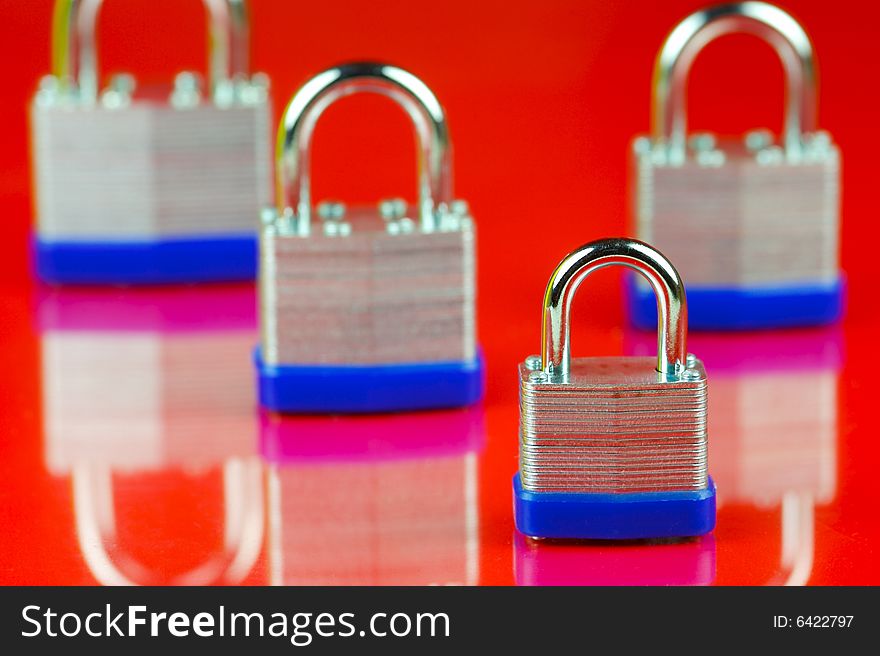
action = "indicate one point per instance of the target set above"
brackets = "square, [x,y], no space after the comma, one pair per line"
[130,446]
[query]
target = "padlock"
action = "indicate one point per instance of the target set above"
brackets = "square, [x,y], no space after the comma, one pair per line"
[365,310]
[613,447]
[753,224]
[145,187]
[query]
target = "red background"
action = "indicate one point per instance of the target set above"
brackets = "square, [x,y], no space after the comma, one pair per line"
[542,100]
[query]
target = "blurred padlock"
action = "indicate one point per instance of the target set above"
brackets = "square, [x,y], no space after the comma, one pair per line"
[374,500]
[365,310]
[613,447]
[149,187]
[754,225]
[146,391]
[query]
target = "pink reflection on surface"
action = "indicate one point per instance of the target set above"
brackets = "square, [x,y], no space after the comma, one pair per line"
[165,309]
[686,562]
[310,438]
[374,500]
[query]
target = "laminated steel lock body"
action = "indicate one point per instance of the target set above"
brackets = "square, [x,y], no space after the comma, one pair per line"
[613,447]
[364,310]
[149,187]
[754,225]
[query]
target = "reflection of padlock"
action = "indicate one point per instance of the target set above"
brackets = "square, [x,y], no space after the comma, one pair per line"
[369,312]
[166,370]
[773,418]
[753,225]
[772,411]
[613,448]
[147,188]
[150,388]
[679,562]
[376,500]
[774,434]
[94,507]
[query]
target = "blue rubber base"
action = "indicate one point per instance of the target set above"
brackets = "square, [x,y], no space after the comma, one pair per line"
[633,516]
[712,308]
[349,389]
[205,259]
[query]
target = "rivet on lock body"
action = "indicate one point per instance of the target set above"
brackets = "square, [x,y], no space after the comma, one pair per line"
[613,447]
[149,186]
[362,309]
[754,225]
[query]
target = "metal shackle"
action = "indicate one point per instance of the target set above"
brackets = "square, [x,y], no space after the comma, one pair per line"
[74,51]
[293,153]
[684,43]
[637,255]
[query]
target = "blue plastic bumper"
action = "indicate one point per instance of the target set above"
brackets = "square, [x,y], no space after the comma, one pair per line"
[204,259]
[348,389]
[715,308]
[638,515]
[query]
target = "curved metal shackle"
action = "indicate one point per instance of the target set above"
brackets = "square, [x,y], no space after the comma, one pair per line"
[74,51]
[293,153]
[637,255]
[776,27]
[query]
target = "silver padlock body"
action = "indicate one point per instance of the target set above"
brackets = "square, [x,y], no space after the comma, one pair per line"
[143,400]
[370,296]
[149,170]
[403,522]
[735,218]
[615,426]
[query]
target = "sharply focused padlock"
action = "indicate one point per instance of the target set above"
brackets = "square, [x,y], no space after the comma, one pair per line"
[142,185]
[613,447]
[753,224]
[362,309]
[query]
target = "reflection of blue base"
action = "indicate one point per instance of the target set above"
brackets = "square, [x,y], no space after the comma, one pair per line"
[713,308]
[204,259]
[637,515]
[317,388]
